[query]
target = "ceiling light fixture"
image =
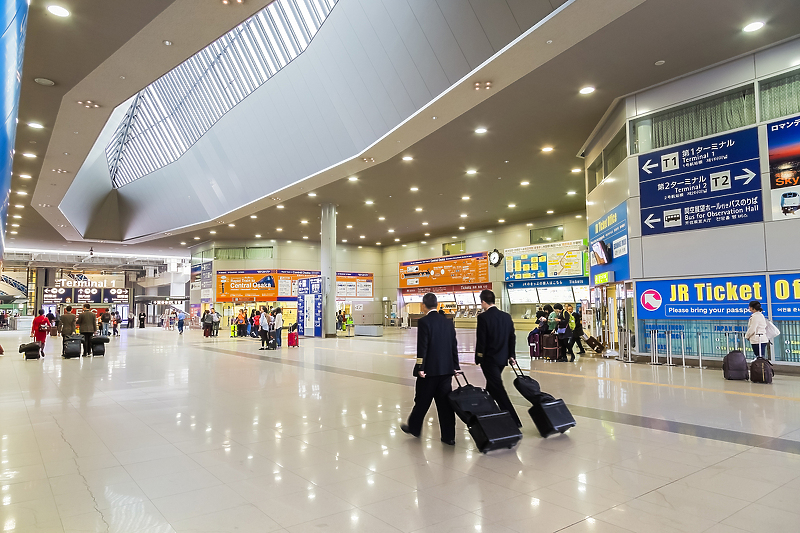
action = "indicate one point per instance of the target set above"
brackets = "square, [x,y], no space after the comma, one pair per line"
[369,202]
[472,171]
[20,206]
[571,193]
[44,82]
[17,216]
[481,130]
[488,231]
[212,232]
[587,90]
[550,212]
[418,209]
[29,155]
[465,197]
[278,229]
[61,12]
[659,62]
[14,225]
[279,206]
[414,189]
[253,216]
[461,227]
[407,158]
[547,149]
[377,244]
[35,125]
[167,42]
[352,178]
[312,194]
[25,176]
[523,183]
[304,221]
[344,240]
[427,234]
[231,225]
[502,221]
[349,227]
[484,85]
[423,242]
[512,205]
[13,232]
[575,170]
[88,104]
[381,218]
[753,26]
[305,236]
[22,193]
[183,244]
[578,216]
[463,215]
[424,223]
[197,238]
[397,240]
[391,231]
[362,236]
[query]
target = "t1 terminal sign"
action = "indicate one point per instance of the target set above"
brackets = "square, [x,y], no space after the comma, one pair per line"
[701,184]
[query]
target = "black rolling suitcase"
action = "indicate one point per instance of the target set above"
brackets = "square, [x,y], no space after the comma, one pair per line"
[72,346]
[551,417]
[469,401]
[32,350]
[526,385]
[99,344]
[494,431]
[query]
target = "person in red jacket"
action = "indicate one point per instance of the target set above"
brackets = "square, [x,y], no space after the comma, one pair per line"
[40,329]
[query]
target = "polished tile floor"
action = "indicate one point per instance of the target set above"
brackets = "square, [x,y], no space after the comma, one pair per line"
[180,433]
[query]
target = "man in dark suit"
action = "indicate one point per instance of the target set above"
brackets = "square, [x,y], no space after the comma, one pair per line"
[437,361]
[494,348]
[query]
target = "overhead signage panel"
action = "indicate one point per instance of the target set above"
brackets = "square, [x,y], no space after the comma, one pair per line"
[560,259]
[449,270]
[88,296]
[57,295]
[116,296]
[271,285]
[706,298]
[706,183]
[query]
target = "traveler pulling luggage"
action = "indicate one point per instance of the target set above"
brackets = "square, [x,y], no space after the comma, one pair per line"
[734,365]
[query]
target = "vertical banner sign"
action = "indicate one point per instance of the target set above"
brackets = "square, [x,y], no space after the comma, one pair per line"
[206,282]
[309,307]
[707,298]
[783,139]
[706,183]
[608,247]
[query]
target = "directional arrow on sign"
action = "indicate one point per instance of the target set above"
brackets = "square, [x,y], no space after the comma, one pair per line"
[652,300]
[647,166]
[747,176]
[649,220]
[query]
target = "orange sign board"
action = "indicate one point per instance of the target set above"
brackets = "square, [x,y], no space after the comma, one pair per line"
[449,270]
[272,285]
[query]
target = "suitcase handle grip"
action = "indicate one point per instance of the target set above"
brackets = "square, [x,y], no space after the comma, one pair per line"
[515,367]
[462,375]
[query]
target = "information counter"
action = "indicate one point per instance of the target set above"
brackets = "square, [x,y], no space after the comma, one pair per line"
[21,323]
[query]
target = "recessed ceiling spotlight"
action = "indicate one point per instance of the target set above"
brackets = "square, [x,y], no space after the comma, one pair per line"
[381,218]
[524,183]
[512,205]
[397,240]
[465,197]
[362,236]
[183,244]
[481,130]
[427,234]
[25,176]
[197,238]
[454,237]
[423,242]
[391,231]
[278,229]
[305,236]
[472,171]
[360,247]
[414,189]
[463,215]
[344,240]
[231,225]
[369,202]
[660,62]
[17,216]
[502,221]
[304,221]
[13,232]
[571,193]
[424,223]
[289,242]
[20,206]
[587,90]
[14,225]
[753,26]
[61,12]
[377,244]
[488,231]
[461,227]
[550,212]
[368,159]
[484,85]
[212,232]
[547,149]
[253,216]
[418,209]
[279,206]
[35,125]
[407,158]
[44,81]
[575,170]
[167,42]
[312,194]
[29,155]
[578,216]
[352,178]
[22,193]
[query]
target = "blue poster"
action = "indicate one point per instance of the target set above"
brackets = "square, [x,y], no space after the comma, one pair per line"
[701,184]
[309,307]
[724,298]
[785,296]
[608,247]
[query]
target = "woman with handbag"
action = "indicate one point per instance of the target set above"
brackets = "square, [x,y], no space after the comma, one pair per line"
[757,329]
[40,329]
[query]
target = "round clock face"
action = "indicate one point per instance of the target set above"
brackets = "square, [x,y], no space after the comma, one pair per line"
[494,257]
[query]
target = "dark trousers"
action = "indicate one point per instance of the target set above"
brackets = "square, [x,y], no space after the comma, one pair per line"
[759,349]
[566,347]
[241,330]
[180,326]
[428,389]
[576,341]
[87,343]
[495,388]
[264,337]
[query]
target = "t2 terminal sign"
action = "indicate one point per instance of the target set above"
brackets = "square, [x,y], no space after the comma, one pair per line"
[701,184]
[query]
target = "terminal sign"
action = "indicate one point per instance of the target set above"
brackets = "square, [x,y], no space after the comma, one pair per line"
[701,184]
[727,298]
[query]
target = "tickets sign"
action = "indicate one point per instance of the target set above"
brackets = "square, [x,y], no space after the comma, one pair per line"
[273,285]
[449,270]
[709,298]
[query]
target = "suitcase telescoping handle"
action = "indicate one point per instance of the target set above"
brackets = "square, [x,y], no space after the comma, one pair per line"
[462,375]
[515,367]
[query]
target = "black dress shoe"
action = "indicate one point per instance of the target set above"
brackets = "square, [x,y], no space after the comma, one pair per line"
[407,430]
[449,442]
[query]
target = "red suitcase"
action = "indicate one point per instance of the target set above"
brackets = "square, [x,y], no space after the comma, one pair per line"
[294,340]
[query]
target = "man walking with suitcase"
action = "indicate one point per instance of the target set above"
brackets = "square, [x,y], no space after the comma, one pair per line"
[437,362]
[87,323]
[494,348]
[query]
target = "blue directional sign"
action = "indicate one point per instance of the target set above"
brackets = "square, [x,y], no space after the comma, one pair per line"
[701,184]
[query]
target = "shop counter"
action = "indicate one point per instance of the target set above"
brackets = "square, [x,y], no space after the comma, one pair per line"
[369,331]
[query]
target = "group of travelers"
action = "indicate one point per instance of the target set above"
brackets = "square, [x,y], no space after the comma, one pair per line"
[68,324]
[566,324]
[210,322]
[110,320]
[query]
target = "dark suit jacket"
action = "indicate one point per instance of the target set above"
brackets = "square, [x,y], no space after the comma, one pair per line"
[87,322]
[437,348]
[495,341]
[67,324]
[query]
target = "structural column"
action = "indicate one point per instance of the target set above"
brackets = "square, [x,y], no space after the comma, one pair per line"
[328,269]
